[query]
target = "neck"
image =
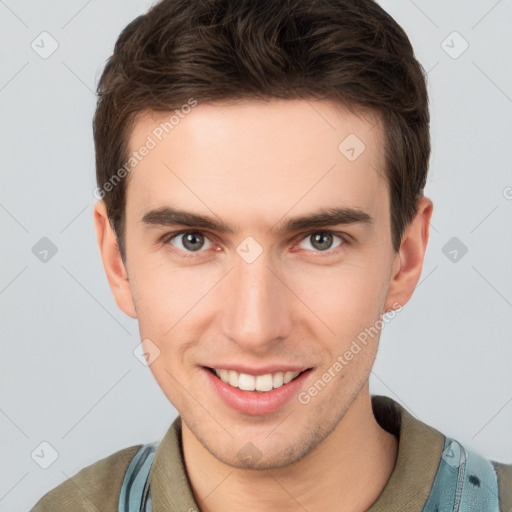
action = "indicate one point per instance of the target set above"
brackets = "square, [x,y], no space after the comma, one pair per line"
[346,472]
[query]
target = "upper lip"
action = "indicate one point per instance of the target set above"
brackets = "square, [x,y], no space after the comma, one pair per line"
[262,370]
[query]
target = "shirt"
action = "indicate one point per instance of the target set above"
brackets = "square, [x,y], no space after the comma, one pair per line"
[420,449]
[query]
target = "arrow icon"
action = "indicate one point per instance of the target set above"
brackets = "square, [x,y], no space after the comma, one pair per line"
[44,455]
[351,147]
[454,45]
[44,250]
[454,249]
[249,249]
[44,44]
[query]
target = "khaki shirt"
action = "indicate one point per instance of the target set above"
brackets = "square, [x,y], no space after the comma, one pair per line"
[96,488]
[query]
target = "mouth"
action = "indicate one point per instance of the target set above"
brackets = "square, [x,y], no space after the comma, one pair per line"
[260,383]
[255,395]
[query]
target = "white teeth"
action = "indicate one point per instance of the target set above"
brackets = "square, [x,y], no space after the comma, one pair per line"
[288,376]
[247,382]
[233,378]
[278,379]
[264,382]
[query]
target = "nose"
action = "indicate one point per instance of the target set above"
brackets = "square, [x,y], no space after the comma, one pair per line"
[256,305]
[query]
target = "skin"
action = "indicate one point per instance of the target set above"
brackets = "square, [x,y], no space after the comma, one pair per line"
[253,165]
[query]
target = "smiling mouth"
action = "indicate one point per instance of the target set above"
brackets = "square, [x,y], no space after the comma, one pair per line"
[260,383]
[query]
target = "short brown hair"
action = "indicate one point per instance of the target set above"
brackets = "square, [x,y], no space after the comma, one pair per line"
[350,51]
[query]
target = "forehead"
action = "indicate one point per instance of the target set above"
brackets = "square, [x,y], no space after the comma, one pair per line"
[257,158]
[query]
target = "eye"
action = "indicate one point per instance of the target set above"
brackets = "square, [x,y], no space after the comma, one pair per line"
[188,241]
[322,241]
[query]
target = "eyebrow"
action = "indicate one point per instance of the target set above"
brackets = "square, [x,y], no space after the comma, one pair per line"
[167,216]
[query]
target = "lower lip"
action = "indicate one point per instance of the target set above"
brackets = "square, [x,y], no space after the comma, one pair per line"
[256,403]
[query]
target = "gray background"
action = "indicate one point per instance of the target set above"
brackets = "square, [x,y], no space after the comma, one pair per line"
[69,375]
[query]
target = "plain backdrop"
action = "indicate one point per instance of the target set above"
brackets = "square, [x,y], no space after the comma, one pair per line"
[70,379]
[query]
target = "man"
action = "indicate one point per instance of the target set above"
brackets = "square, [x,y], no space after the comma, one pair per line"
[288,141]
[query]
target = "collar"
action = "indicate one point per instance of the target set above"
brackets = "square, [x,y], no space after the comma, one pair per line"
[419,452]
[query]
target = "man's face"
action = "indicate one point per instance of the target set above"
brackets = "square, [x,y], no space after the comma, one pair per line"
[259,295]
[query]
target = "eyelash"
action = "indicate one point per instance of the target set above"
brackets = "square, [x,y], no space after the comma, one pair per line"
[331,252]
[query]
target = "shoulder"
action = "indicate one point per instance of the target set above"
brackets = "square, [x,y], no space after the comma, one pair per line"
[95,487]
[470,482]
[441,468]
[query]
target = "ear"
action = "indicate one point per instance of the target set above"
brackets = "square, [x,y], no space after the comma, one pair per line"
[112,262]
[409,259]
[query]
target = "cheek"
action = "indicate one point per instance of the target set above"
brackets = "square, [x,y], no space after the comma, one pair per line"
[173,301]
[158,295]
[346,297]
